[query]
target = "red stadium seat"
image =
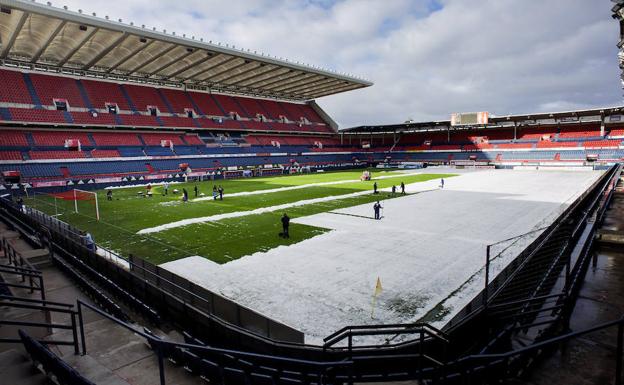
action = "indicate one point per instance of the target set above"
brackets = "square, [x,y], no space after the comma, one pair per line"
[116,139]
[37,155]
[13,138]
[49,88]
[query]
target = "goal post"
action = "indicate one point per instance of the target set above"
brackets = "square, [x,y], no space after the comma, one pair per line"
[83,195]
[75,196]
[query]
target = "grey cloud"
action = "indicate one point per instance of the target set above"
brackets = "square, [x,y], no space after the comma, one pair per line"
[505,56]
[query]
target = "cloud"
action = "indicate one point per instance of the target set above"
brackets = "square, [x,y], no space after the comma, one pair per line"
[428,58]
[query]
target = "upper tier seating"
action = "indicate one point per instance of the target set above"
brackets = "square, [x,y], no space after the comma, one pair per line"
[12,138]
[116,139]
[207,105]
[139,120]
[102,92]
[229,105]
[36,155]
[193,139]
[49,88]
[57,138]
[616,132]
[583,131]
[37,116]
[602,144]
[145,96]
[514,145]
[13,88]
[178,100]
[10,155]
[535,133]
[155,139]
[549,144]
[177,121]
[42,89]
[87,118]
[105,154]
[253,108]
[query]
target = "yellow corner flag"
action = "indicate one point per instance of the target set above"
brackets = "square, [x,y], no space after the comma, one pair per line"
[378,287]
[378,290]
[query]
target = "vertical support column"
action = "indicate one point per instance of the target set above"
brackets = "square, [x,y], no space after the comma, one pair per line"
[487,276]
[602,124]
[618,355]
[75,201]
[515,130]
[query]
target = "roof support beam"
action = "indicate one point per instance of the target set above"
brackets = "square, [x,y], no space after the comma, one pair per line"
[290,85]
[191,65]
[130,56]
[329,91]
[268,70]
[77,48]
[333,84]
[170,48]
[291,75]
[106,50]
[16,32]
[245,62]
[255,67]
[45,45]
[294,78]
[232,58]
[170,63]
[276,69]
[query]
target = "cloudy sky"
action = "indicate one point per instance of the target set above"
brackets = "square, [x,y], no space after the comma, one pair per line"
[427,58]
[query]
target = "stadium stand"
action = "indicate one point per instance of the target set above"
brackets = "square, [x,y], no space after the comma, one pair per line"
[14,88]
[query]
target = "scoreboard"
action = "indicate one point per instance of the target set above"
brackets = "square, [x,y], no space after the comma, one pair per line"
[469,118]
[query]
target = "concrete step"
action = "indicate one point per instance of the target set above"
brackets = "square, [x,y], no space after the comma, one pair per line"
[17,368]
[91,369]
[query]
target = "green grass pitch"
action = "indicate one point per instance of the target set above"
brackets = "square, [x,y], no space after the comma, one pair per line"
[220,241]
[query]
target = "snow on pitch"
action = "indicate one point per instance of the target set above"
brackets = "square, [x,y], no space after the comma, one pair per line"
[423,249]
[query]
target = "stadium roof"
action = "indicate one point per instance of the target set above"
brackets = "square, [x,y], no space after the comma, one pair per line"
[567,117]
[44,37]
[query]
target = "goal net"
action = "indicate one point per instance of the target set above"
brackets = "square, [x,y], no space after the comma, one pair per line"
[83,202]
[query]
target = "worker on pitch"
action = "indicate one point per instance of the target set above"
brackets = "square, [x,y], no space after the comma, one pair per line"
[109,195]
[196,191]
[375,188]
[285,225]
[377,208]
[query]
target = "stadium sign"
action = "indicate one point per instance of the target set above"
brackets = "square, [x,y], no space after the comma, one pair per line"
[469,118]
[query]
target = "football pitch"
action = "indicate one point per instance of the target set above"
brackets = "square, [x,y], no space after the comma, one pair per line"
[162,228]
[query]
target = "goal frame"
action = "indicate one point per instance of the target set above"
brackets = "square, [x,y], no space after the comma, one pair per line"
[97,206]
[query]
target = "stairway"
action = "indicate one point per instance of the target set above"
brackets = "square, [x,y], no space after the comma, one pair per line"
[84,95]
[31,90]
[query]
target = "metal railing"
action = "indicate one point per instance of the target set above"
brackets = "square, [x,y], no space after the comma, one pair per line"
[323,370]
[32,284]
[49,308]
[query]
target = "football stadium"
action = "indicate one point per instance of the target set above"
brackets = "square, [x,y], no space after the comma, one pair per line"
[178,211]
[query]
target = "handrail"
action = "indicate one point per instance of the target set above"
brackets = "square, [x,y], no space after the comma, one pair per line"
[45,302]
[395,329]
[382,326]
[210,349]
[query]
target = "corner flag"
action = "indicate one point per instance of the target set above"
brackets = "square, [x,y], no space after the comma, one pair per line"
[378,287]
[378,290]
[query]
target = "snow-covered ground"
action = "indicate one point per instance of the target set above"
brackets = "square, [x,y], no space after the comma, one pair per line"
[426,246]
